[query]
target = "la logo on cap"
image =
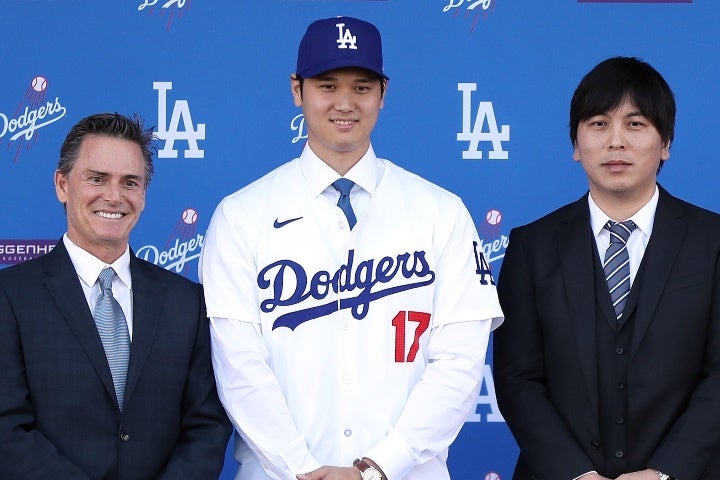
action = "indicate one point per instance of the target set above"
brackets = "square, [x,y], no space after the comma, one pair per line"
[345,37]
[332,43]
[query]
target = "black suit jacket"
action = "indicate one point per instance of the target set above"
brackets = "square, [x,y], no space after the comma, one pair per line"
[58,415]
[546,352]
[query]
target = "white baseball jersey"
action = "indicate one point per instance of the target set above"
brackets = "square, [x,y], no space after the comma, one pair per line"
[331,344]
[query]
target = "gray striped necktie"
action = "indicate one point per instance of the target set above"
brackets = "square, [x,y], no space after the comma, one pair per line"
[113,330]
[617,264]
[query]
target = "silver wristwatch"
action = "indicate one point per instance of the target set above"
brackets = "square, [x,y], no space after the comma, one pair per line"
[367,471]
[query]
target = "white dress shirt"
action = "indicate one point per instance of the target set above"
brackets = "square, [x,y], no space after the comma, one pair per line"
[88,268]
[639,238]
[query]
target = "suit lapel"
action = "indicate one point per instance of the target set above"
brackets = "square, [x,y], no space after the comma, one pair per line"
[148,295]
[64,286]
[575,242]
[665,242]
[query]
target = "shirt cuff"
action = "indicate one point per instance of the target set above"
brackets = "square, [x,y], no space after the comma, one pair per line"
[393,456]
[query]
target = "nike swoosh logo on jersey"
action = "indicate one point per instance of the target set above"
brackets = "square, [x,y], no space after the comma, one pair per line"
[279,224]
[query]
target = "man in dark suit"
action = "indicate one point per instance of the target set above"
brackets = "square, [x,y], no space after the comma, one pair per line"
[600,384]
[75,402]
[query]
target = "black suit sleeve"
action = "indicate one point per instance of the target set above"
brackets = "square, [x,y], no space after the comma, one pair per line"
[25,453]
[691,444]
[548,447]
[205,428]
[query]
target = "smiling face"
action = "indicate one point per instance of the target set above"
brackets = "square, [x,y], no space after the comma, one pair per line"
[341,108]
[620,151]
[103,193]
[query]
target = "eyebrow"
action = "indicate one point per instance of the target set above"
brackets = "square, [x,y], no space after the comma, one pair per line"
[328,78]
[634,113]
[132,176]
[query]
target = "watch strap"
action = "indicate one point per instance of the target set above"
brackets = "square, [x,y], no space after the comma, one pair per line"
[362,465]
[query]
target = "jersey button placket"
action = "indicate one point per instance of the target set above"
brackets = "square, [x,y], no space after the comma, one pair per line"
[347,331]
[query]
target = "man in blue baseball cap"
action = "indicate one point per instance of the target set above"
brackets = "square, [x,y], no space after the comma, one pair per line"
[350,306]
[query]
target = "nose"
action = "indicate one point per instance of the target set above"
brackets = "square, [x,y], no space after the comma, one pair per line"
[344,101]
[616,138]
[112,192]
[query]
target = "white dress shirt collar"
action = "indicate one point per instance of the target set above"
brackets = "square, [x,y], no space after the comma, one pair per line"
[319,175]
[88,266]
[644,218]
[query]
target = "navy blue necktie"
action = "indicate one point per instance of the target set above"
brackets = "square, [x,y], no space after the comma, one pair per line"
[343,185]
[113,330]
[617,264]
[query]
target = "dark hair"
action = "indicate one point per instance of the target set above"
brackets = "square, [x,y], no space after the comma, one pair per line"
[617,79]
[110,125]
[380,79]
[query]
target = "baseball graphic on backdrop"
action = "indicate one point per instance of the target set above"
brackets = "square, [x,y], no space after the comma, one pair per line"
[493,217]
[39,83]
[189,216]
[492,476]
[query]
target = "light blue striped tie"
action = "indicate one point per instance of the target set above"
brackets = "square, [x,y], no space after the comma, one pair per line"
[617,264]
[343,185]
[113,330]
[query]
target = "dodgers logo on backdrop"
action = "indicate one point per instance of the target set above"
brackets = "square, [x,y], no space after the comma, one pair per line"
[33,112]
[182,246]
[174,7]
[493,243]
[17,251]
[474,133]
[172,132]
[472,8]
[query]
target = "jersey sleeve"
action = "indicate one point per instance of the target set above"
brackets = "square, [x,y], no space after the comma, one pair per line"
[465,286]
[227,267]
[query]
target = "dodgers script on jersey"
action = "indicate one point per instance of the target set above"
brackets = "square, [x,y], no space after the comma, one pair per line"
[345,318]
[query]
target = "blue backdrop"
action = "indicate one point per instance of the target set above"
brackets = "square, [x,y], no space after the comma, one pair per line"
[477,102]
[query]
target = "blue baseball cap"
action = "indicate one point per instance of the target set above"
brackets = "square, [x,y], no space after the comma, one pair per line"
[339,42]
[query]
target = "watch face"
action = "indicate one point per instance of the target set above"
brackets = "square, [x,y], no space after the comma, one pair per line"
[371,474]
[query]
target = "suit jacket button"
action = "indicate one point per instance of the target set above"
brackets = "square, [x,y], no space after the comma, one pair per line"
[124,437]
[595,445]
[619,454]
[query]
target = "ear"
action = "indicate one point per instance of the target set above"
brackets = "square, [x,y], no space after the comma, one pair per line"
[61,186]
[296,90]
[576,154]
[665,153]
[385,91]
